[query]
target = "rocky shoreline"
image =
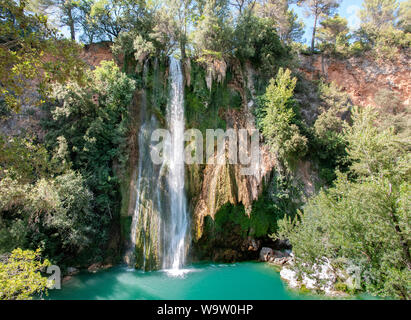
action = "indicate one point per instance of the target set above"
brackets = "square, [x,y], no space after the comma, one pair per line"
[326,275]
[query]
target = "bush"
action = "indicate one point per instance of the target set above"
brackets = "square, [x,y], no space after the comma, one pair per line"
[94,122]
[256,40]
[55,214]
[24,159]
[277,119]
[363,221]
[20,275]
[389,100]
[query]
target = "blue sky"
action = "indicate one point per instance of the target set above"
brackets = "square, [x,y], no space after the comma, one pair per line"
[348,9]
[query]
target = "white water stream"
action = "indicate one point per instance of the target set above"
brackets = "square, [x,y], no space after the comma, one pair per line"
[161,201]
[175,230]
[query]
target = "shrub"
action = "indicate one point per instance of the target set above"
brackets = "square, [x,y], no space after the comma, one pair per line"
[364,218]
[277,119]
[94,122]
[256,40]
[20,275]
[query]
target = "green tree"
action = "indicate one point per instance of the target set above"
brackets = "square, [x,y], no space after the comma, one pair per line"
[329,141]
[379,13]
[20,275]
[363,221]
[382,28]
[278,119]
[64,11]
[333,35]
[26,44]
[213,33]
[376,152]
[319,9]
[255,39]
[243,5]
[404,16]
[89,26]
[289,27]
[112,17]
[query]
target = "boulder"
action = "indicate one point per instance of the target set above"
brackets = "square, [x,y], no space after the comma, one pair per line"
[250,244]
[98,266]
[94,267]
[280,261]
[281,254]
[266,254]
[280,257]
[71,271]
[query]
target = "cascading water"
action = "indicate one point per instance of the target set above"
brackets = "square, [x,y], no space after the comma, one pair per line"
[176,224]
[160,221]
[145,226]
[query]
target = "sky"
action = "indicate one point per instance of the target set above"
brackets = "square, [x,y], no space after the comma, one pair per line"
[348,9]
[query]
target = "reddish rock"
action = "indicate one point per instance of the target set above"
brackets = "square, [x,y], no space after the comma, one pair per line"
[362,77]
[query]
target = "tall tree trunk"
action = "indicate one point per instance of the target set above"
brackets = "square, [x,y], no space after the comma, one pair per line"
[314,32]
[71,22]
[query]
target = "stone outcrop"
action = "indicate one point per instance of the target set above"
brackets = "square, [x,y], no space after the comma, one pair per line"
[250,244]
[95,267]
[266,254]
[94,53]
[324,272]
[71,271]
[362,77]
[224,183]
[277,257]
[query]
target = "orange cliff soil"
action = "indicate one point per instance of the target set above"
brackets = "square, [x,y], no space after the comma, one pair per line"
[94,53]
[362,77]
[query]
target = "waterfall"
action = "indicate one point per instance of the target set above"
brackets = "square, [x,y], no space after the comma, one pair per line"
[175,228]
[146,221]
[159,225]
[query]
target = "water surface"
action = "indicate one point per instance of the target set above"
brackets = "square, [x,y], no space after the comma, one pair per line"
[248,280]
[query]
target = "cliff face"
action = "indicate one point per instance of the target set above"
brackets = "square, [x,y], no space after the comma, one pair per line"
[27,121]
[94,53]
[224,184]
[220,189]
[362,77]
[221,195]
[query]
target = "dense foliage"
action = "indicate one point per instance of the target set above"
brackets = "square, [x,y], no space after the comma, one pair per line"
[25,41]
[278,119]
[363,221]
[93,121]
[63,198]
[20,275]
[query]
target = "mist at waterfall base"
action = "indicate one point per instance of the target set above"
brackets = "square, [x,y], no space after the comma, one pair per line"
[204,281]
